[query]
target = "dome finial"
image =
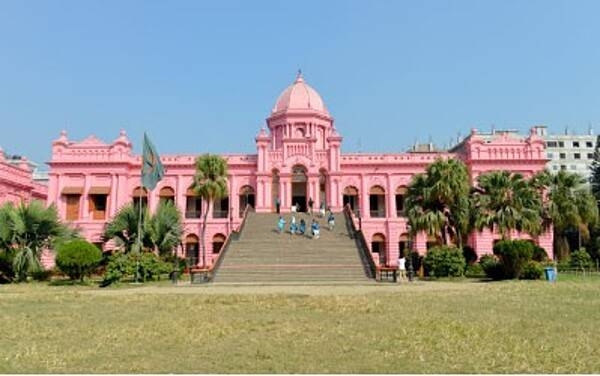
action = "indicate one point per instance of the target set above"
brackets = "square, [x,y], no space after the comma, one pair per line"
[299,77]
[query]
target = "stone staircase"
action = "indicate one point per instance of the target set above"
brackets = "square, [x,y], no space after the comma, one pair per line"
[262,255]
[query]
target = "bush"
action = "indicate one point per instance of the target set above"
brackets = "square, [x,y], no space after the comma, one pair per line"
[580,259]
[470,255]
[42,275]
[444,262]
[77,258]
[474,271]
[514,255]
[539,254]
[532,270]
[7,273]
[148,265]
[492,267]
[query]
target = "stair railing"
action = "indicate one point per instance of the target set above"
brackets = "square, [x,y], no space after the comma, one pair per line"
[361,243]
[233,235]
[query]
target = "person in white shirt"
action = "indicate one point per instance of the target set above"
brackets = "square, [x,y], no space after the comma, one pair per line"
[402,268]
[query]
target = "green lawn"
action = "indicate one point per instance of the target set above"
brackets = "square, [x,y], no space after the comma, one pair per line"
[427,327]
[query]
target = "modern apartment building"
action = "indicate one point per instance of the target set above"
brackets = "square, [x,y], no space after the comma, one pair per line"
[571,152]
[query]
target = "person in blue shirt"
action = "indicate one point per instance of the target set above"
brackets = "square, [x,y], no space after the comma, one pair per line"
[302,228]
[280,224]
[331,221]
[316,229]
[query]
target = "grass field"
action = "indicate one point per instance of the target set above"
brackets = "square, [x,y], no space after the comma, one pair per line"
[427,327]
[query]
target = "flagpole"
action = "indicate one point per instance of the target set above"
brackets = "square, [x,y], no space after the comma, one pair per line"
[139,237]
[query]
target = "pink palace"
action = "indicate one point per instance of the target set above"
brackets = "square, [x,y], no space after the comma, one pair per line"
[298,157]
[16,181]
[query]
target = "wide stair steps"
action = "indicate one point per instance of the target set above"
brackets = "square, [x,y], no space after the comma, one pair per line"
[263,255]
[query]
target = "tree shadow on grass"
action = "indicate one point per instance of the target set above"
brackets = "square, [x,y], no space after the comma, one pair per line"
[69,282]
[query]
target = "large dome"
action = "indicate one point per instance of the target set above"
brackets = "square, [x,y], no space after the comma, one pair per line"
[299,96]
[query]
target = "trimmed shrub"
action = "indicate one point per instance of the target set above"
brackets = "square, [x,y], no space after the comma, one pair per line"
[444,262]
[42,275]
[474,271]
[148,265]
[580,259]
[532,270]
[77,258]
[491,267]
[513,255]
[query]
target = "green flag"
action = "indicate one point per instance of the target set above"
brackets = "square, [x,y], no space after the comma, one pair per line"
[152,168]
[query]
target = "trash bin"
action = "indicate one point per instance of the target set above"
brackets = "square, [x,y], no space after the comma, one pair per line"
[550,274]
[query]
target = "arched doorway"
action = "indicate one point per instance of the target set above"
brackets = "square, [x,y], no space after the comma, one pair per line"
[404,245]
[378,246]
[350,197]
[246,197]
[191,249]
[299,183]
[322,188]
[275,197]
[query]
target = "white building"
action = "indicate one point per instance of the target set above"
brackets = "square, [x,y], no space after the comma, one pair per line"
[571,152]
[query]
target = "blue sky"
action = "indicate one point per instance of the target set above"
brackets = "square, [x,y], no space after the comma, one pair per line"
[201,76]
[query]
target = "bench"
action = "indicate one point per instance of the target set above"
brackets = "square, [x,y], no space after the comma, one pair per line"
[386,272]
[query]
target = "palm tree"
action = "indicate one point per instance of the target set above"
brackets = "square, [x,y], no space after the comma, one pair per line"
[210,182]
[437,201]
[504,202]
[123,228]
[26,230]
[165,228]
[570,206]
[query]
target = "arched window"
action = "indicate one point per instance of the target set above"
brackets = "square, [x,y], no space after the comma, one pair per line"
[193,204]
[217,243]
[400,195]
[377,202]
[221,207]
[166,194]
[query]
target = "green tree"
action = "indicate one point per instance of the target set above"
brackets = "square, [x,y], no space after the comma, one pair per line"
[595,172]
[570,205]
[504,201]
[161,231]
[25,231]
[437,201]
[123,228]
[210,182]
[165,228]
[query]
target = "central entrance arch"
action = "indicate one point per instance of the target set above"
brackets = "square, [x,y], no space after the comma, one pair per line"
[299,187]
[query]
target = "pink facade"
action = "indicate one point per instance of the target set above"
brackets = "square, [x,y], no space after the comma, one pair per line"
[16,182]
[298,157]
